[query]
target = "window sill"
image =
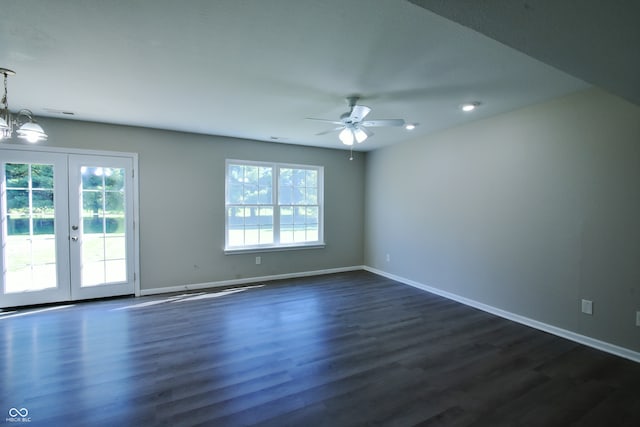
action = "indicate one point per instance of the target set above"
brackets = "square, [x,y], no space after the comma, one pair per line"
[273,249]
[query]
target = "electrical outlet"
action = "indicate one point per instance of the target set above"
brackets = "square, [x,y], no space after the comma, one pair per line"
[388,258]
[637,318]
[258,260]
[587,306]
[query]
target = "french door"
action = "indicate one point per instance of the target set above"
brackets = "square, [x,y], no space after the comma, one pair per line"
[67,227]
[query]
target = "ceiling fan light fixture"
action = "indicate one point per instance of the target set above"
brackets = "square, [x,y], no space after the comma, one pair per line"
[346,136]
[360,135]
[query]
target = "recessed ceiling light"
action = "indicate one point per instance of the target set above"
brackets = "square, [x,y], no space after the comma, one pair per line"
[469,106]
[410,126]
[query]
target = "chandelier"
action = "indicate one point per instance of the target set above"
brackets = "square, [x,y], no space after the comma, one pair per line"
[26,126]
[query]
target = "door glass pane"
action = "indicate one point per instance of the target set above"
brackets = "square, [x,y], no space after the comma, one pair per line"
[30,251]
[103,250]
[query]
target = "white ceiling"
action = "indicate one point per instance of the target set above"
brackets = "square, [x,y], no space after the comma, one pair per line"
[257,69]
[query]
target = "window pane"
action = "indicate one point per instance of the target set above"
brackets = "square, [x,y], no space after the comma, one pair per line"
[42,176]
[286,215]
[116,271]
[250,195]
[114,202]
[115,247]
[114,179]
[93,259]
[234,193]
[114,213]
[299,177]
[312,215]
[235,226]
[42,201]
[312,178]
[43,225]
[299,215]
[266,216]
[266,178]
[17,203]
[92,212]
[286,176]
[266,236]
[286,234]
[251,175]
[299,235]
[42,212]
[312,196]
[235,174]
[285,196]
[17,175]
[92,178]
[251,235]
[265,196]
[312,233]
[234,217]
[299,196]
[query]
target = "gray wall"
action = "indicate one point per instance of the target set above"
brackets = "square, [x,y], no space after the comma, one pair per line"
[182,202]
[528,212]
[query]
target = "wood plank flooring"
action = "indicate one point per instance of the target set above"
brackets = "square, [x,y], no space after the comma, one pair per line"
[345,349]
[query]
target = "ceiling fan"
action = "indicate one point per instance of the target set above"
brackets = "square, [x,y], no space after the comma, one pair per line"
[352,124]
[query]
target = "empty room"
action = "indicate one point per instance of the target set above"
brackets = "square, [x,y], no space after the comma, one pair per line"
[319,213]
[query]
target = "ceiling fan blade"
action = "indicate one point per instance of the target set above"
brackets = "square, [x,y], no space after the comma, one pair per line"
[324,120]
[359,112]
[330,130]
[384,122]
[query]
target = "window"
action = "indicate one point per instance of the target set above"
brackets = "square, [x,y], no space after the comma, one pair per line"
[273,205]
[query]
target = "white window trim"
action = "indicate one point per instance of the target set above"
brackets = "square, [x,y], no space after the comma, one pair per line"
[276,246]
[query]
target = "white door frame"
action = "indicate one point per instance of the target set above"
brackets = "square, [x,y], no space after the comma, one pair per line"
[134,193]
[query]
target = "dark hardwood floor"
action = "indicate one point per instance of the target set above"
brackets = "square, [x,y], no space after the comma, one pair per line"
[337,350]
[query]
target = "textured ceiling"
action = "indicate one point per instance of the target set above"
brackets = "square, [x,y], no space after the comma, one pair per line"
[257,69]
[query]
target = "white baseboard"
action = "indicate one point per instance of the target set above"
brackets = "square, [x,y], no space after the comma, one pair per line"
[581,339]
[246,280]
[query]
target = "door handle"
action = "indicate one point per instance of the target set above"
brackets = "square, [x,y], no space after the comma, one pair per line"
[74,238]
